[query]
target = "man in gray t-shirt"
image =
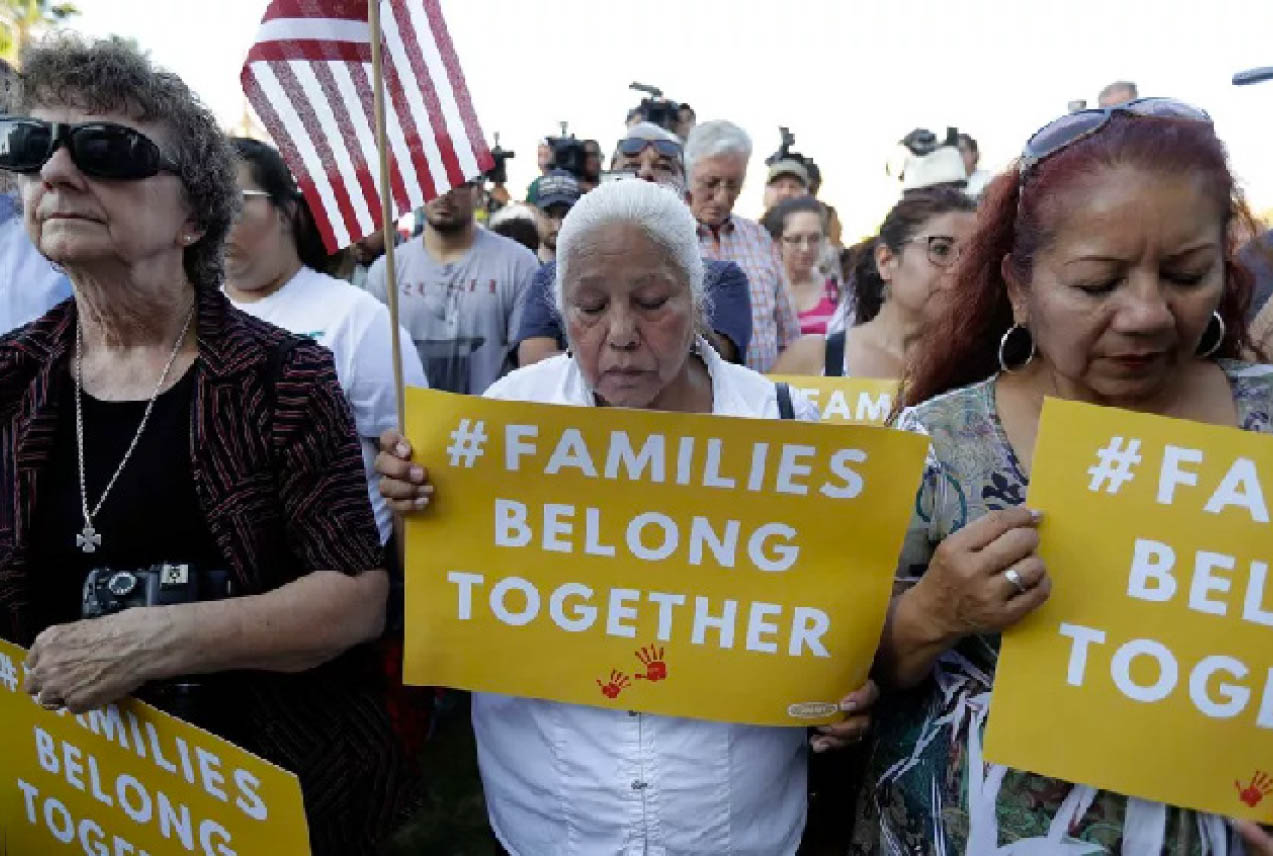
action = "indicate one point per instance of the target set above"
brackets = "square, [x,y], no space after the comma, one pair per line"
[458,290]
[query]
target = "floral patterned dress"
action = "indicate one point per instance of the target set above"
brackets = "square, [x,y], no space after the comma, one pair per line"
[927,789]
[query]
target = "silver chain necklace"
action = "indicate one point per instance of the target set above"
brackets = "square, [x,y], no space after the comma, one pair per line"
[90,539]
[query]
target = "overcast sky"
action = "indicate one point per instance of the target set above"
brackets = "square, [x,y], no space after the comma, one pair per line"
[849,77]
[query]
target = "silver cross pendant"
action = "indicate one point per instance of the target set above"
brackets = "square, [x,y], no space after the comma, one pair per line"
[88,540]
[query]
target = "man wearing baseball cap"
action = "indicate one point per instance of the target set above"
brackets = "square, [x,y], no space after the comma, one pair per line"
[788,179]
[558,193]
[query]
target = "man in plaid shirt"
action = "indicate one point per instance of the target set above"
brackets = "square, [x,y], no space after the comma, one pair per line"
[716,156]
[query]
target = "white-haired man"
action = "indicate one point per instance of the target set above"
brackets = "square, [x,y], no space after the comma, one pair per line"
[716,156]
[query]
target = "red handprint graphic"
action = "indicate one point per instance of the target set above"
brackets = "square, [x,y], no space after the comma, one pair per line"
[652,659]
[618,683]
[1261,786]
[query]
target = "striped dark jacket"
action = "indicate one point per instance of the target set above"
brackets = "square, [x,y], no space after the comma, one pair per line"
[279,475]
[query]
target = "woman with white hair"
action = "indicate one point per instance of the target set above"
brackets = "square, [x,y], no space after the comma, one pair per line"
[569,779]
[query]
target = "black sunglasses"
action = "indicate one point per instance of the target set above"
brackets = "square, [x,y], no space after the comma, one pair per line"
[1069,129]
[633,146]
[99,149]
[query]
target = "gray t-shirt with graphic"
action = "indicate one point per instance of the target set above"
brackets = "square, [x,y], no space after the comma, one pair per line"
[462,316]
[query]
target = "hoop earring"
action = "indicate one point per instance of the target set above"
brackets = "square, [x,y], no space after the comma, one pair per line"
[1216,320]
[1003,347]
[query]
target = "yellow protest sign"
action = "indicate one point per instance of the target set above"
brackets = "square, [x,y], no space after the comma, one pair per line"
[1149,672]
[129,779]
[727,569]
[846,399]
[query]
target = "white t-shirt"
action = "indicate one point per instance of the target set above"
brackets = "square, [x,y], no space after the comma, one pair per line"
[354,326]
[573,780]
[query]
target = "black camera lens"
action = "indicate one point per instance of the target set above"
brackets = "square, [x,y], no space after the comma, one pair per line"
[122,583]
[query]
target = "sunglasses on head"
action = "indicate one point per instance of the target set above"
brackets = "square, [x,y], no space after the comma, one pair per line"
[1073,127]
[633,146]
[98,149]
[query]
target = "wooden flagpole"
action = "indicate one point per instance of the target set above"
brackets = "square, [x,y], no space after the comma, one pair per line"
[386,207]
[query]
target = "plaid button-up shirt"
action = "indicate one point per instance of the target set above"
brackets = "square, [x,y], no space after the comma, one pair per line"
[774,324]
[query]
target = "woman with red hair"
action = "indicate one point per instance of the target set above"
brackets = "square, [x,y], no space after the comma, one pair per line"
[1101,270]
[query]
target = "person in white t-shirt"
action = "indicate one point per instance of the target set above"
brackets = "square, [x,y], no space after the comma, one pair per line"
[270,262]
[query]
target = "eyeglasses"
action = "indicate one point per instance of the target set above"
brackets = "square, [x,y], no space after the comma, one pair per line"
[249,194]
[99,149]
[633,146]
[1073,127]
[711,185]
[942,250]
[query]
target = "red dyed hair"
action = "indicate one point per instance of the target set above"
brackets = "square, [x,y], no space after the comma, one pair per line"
[961,344]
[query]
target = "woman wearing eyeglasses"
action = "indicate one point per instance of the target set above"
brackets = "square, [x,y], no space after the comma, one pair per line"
[896,276]
[1102,271]
[274,261]
[151,432]
[799,227]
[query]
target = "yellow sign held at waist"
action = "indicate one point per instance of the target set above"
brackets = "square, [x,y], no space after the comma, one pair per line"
[718,568]
[130,779]
[846,399]
[1149,672]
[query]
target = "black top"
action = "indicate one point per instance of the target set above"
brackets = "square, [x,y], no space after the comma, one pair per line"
[152,514]
[276,464]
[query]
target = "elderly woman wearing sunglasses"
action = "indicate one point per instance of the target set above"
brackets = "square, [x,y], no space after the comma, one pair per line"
[1101,270]
[163,453]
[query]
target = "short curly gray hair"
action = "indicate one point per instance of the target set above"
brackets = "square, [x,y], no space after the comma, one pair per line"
[111,76]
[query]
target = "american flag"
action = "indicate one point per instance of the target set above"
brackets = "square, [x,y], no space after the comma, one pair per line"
[309,78]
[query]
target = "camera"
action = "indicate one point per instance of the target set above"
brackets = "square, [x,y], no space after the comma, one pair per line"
[570,155]
[657,109]
[784,149]
[498,173]
[107,591]
[921,141]
[785,153]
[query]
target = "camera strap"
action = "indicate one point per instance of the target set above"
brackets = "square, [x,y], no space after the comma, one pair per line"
[786,410]
[835,354]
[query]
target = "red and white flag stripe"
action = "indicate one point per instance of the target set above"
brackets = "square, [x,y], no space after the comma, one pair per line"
[309,78]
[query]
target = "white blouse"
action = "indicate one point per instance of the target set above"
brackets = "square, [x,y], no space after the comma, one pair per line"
[572,780]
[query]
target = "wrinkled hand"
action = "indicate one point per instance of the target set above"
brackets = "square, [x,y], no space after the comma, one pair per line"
[838,735]
[405,485]
[1258,840]
[965,590]
[86,664]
